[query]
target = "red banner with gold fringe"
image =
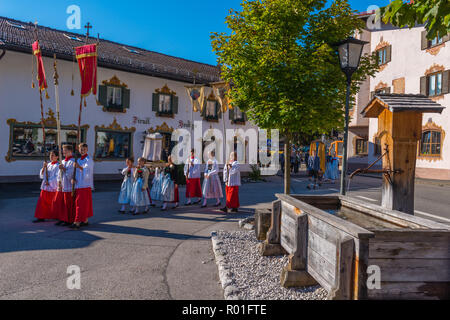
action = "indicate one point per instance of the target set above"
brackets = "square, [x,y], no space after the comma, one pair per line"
[87,62]
[40,66]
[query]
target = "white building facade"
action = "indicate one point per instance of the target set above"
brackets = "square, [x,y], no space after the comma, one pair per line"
[411,64]
[140,92]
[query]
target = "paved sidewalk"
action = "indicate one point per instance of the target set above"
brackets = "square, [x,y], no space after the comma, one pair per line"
[162,255]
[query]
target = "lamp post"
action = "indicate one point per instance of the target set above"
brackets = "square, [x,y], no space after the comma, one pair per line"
[350,51]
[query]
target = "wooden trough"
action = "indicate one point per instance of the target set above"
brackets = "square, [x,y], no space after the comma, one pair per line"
[340,242]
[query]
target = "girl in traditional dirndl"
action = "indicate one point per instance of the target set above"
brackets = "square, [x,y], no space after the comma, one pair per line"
[139,194]
[212,188]
[169,188]
[127,185]
[155,192]
[334,166]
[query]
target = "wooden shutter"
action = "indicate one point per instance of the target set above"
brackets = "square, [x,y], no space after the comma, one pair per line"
[231,114]
[424,85]
[126,98]
[102,95]
[155,102]
[446,82]
[424,40]
[218,110]
[203,112]
[372,94]
[388,54]
[174,102]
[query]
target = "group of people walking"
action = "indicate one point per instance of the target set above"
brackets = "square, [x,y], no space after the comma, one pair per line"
[66,189]
[137,193]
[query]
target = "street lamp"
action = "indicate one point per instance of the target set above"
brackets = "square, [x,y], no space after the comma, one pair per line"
[350,51]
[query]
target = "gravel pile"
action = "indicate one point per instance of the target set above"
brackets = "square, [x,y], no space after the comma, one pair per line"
[257,277]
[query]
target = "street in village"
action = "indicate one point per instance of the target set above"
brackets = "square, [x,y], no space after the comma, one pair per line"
[161,255]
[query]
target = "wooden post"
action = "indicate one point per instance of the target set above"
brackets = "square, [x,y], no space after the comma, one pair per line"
[272,246]
[287,164]
[402,132]
[344,266]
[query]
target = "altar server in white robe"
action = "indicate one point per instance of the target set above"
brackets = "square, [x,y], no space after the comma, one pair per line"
[232,179]
[192,172]
[64,199]
[45,208]
[84,184]
[212,188]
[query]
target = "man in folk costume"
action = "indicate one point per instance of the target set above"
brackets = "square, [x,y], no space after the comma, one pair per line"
[64,199]
[232,179]
[192,173]
[84,183]
[45,208]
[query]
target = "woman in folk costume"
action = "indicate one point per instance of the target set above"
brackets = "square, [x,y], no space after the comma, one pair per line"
[334,166]
[169,189]
[192,173]
[155,192]
[211,184]
[64,199]
[232,179]
[328,163]
[84,184]
[139,194]
[127,185]
[45,208]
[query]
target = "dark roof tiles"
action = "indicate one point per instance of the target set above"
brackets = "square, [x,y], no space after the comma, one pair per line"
[110,54]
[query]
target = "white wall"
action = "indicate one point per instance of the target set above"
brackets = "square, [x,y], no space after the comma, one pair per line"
[409,61]
[19,101]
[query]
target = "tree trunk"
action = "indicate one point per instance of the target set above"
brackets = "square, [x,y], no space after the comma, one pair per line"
[287,164]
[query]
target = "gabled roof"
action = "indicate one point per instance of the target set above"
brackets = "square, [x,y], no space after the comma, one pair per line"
[110,54]
[395,102]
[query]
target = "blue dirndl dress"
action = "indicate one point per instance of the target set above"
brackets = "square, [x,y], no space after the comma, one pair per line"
[167,188]
[126,189]
[139,198]
[155,192]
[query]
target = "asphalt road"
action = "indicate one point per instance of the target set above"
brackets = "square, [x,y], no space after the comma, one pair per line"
[162,255]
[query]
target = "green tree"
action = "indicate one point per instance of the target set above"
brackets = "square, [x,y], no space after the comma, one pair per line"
[279,56]
[435,14]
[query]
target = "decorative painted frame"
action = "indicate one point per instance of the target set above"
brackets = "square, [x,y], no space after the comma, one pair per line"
[115,82]
[431,126]
[165,90]
[114,127]
[49,123]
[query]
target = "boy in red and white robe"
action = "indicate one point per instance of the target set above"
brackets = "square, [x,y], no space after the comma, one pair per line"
[192,173]
[64,202]
[232,179]
[45,208]
[84,184]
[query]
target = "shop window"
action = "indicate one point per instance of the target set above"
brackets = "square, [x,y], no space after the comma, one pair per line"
[113,143]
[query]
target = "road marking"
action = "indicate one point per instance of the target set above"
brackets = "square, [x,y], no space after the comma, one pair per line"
[432,216]
[333,189]
[368,199]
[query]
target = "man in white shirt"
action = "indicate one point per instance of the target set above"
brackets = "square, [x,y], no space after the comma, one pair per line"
[84,183]
[192,173]
[232,179]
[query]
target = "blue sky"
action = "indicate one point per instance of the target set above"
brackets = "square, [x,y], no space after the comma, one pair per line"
[175,27]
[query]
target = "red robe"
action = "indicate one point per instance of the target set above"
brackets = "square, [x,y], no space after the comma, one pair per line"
[232,194]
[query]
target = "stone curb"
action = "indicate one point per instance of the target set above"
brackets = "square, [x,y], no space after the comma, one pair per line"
[231,292]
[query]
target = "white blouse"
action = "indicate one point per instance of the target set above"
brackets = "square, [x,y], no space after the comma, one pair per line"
[66,176]
[232,177]
[214,167]
[193,166]
[52,173]
[85,178]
